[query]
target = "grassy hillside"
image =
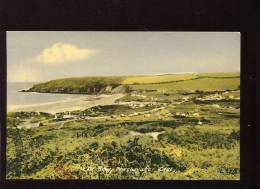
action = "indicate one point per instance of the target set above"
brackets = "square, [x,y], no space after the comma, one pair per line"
[157,78]
[204,84]
[168,82]
[197,143]
[228,75]
[179,126]
[80,82]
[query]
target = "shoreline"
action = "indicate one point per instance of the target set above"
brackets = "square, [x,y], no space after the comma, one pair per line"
[80,103]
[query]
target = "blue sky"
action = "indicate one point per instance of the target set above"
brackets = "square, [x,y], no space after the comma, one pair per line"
[41,56]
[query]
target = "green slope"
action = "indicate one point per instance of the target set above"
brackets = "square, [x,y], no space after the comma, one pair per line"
[168,82]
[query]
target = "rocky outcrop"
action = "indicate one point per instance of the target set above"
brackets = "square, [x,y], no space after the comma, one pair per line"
[120,89]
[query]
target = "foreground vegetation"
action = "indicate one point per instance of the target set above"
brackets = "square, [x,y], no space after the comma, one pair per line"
[187,129]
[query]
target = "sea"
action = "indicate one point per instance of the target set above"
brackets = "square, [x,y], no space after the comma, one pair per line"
[17,99]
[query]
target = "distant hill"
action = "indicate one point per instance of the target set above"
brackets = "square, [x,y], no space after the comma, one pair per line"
[122,84]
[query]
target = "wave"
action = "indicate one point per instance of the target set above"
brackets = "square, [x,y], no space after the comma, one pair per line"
[21,107]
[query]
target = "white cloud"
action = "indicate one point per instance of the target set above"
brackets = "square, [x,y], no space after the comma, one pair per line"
[60,53]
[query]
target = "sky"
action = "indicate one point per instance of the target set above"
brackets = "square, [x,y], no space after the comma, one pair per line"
[46,55]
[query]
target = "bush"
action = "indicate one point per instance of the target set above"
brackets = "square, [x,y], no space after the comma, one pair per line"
[149,129]
[192,137]
[235,135]
[135,155]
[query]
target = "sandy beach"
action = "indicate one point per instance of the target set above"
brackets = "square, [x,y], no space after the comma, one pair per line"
[80,103]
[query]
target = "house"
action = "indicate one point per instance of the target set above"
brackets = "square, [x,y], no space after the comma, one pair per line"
[210,97]
[215,105]
[196,114]
[199,123]
[68,116]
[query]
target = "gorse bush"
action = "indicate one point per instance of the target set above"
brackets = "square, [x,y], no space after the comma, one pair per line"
[135,155]
[228,170]
[235,135]
[192,137]
[149,129]
[37,161]
[92,131]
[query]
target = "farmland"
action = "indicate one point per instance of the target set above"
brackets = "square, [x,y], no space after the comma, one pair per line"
[172,126]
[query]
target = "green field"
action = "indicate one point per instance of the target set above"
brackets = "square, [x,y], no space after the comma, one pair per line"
[205,84]
[157,78]
[167,82]
[175,126]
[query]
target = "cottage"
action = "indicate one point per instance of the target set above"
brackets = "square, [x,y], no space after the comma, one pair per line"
[68,116]
[196,114]
[215,105]
[199,123]
[210,97]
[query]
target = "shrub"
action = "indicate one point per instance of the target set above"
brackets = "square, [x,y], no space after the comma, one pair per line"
[235,135]
[135,155]
[192,137]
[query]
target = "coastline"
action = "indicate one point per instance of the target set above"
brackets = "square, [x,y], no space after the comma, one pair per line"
[80,103]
